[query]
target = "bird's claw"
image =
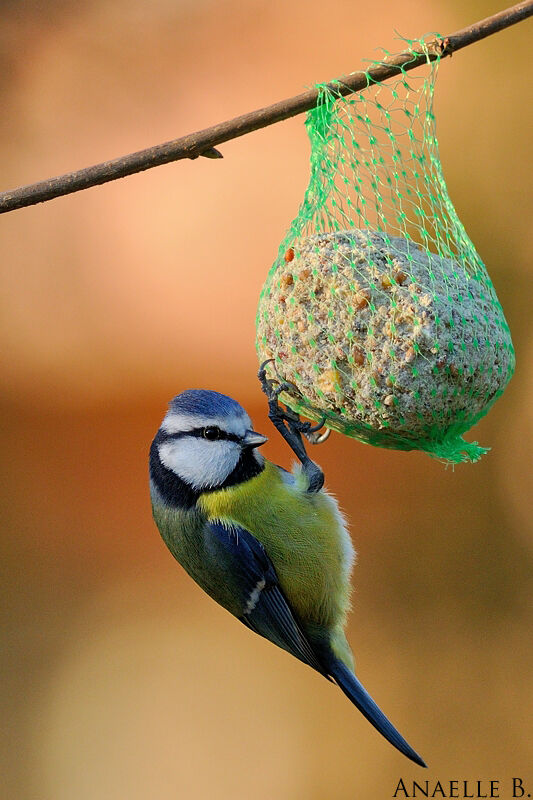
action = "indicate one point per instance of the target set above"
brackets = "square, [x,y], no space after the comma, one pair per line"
[291,427]
[272,388]
[314,437]
[311,432]
[268,384]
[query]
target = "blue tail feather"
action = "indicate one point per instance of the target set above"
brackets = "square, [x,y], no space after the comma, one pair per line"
[359,696]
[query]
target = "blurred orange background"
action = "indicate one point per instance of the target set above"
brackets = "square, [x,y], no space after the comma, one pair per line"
[121,679]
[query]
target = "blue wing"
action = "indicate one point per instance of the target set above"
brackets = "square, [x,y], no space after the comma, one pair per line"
[258,601]
[265,608]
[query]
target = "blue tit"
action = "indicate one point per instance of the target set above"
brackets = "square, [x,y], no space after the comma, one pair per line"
[268,545]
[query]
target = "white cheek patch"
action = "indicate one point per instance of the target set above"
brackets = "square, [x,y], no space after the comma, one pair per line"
[198,462]
[182,423]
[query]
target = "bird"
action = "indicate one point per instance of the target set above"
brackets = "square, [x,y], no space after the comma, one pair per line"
[269,545]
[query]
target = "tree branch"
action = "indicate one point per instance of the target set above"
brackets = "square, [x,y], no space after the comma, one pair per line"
[203,143]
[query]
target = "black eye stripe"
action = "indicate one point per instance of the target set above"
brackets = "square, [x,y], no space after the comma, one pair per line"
[198,433]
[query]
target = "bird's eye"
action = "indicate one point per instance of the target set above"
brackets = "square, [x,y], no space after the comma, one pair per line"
[212,433]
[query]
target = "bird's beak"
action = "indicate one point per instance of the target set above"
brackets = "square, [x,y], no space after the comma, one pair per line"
[253,439]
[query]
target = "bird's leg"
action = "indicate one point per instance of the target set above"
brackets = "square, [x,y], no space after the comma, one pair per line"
[289,424]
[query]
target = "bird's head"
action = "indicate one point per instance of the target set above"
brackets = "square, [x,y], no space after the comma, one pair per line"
[207,440]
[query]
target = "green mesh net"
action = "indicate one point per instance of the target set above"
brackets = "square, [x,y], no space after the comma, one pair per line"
[378,309]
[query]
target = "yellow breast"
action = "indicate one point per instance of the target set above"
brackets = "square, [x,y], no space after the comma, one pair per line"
[302,533]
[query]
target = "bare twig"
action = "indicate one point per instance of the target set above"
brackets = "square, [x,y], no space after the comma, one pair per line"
[203,143]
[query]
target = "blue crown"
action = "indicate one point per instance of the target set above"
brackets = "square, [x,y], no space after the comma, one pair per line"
[204,402]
